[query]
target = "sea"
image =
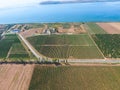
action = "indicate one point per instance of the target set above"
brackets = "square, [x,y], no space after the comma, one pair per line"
[76,12]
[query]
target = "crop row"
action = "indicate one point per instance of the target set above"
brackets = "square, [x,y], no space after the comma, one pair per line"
[18,51]
[94,29]
[75,78]
[71,52]
[11,41]
[82,39]
[109,44]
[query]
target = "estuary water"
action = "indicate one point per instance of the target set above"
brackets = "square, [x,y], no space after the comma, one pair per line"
[77,12]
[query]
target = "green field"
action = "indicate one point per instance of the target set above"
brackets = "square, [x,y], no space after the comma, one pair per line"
[18,51]
[93,28]
[66,25]
[66,46]
[109,44]
[11,45]
[70,52]
[4,48]
[75,78]
[33,26]
[82,39]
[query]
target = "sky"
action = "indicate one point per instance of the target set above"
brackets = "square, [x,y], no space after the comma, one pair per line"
[21,3]
[16,3]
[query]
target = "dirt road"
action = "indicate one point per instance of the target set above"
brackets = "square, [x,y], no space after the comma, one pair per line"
[30,46]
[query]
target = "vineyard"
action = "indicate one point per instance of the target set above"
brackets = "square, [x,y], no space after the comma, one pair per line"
[82,39]
[66,46]
[11,47]
[18,51]
[75,78]
[4,47]
[93,28]
[109,44]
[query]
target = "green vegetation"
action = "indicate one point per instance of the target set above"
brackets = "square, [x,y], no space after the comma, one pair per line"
[93,28]
[34,25]
[109,44]
[66,46]
[71,52]
[18,51]
[82,39]
[53,25]
[77,25]
[75,78]
[8,26]
[10,47]
[20,27]
[66,25]
[6,43]
[4,47]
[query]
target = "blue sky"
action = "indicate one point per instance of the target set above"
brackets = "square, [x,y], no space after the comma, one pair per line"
[16,3]
[21,3]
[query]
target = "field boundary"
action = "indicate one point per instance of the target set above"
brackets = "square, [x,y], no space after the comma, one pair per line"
[25,47]
[38,55]
[9,52]
[96,44]
[66,45]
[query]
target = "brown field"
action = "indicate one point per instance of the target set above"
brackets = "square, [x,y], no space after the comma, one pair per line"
[15,77]
[72,29]
[111,28]
[31,32]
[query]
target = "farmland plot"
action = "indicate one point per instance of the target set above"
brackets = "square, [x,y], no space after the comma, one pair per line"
[76,78]
[111,28]
[93,28]
[66,46]
[109,44]
[10,47]
[15,77]
[70,52]
[6,43]
[18,51]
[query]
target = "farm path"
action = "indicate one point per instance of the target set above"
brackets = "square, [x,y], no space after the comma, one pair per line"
[80,64]
[64,45]
[89,61]
[30,46]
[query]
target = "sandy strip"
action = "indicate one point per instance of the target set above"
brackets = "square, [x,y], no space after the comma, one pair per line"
[79,64]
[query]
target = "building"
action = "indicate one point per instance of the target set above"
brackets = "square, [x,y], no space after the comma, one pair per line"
[15,31]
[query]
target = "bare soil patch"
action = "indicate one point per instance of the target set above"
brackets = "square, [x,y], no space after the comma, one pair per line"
[111,28]
[15,77]
[31,32]
[72,29]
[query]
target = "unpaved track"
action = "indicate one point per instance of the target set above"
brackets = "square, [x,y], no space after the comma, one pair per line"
[15,77]
[34,51]
[111,28]
[102,65]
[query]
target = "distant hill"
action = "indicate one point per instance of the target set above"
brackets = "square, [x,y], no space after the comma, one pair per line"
[75,1]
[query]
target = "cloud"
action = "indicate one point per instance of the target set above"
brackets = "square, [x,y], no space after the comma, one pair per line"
[22,3]
[17,3]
